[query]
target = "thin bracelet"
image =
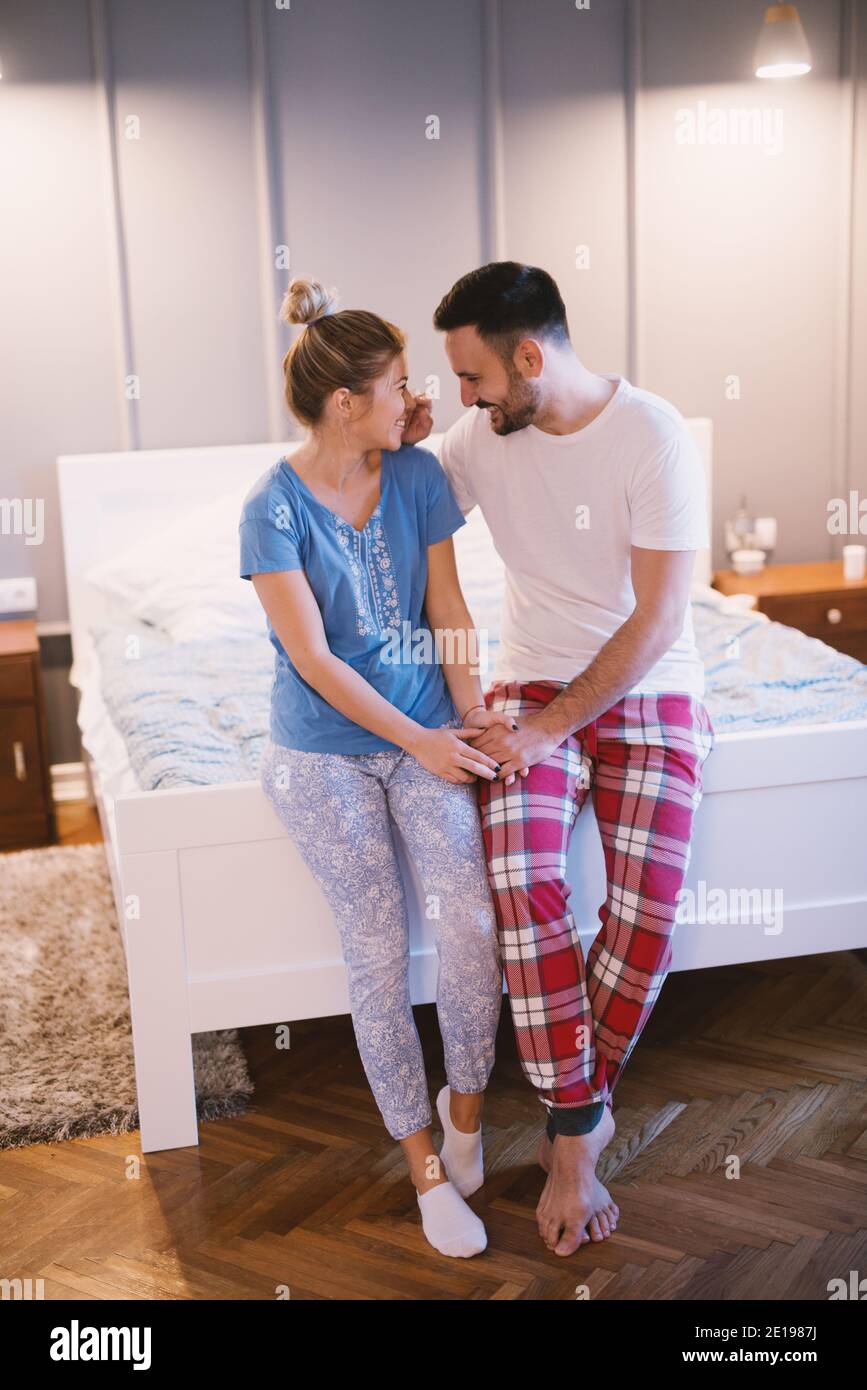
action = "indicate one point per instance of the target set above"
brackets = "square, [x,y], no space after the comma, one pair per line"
[470,710]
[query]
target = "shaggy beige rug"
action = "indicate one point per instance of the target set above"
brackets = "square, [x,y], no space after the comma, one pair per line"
[66,1058]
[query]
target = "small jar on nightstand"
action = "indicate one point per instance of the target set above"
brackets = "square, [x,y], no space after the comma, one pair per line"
[26,807]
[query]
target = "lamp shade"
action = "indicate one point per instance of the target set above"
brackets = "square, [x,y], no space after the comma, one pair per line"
[782,49]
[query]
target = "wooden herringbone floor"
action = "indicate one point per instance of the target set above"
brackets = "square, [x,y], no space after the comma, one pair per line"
[739,1165]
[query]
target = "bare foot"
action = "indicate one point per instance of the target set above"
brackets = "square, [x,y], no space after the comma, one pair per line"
[606,1212]
[573,1198]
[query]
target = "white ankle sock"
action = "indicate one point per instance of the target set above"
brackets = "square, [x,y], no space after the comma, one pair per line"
[461,1153]
[449,1224]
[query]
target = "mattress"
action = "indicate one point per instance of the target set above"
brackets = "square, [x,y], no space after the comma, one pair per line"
[197,713]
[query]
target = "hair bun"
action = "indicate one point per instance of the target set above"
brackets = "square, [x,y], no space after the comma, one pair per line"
[306,300]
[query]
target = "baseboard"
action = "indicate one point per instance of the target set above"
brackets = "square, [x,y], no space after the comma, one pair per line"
[69,782]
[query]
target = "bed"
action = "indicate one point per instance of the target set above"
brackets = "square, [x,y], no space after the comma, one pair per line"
[211,893]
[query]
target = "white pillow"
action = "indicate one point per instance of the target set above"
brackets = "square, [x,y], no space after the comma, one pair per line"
[480,569]
[727,603]
[185,577]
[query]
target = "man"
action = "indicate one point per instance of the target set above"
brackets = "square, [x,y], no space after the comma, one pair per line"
[594,495]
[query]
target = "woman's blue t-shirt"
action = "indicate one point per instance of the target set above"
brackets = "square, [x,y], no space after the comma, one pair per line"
[370,587]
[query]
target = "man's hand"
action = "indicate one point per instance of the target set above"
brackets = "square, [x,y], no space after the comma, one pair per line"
[481,719]
[419,420]
[516,750]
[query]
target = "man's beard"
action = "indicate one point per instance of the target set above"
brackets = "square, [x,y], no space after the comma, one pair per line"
[520,408]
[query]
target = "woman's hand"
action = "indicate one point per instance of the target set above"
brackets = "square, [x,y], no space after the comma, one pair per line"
[481,718]
[520,749]
[419,420]
[444,752]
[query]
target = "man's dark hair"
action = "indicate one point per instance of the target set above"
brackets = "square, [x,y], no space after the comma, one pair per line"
[505,302]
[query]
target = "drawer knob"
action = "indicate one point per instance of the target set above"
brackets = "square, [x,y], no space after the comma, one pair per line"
[834,615]
[20,762]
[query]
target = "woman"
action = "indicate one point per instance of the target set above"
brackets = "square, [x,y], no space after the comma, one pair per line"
[348,544]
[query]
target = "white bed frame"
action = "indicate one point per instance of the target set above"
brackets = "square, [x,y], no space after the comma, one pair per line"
[224,926]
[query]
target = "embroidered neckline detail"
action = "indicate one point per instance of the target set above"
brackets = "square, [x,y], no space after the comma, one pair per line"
[377,607]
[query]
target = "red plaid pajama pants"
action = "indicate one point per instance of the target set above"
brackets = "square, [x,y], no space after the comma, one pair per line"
[576,1022]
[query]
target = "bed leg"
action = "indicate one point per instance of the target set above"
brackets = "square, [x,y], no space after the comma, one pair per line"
[88,772]
[157,973]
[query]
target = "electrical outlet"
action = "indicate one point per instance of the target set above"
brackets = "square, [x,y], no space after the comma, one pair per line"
[18,595]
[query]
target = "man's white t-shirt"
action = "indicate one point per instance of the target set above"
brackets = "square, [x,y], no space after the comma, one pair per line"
[564,510]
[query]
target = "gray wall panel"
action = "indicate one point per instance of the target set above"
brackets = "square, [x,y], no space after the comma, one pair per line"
[59,380]
[858,365]
[373,207]
[740,257]
[565,176]
[188,204]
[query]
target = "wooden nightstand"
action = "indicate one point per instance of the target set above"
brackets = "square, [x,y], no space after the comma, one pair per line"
[813,597]
[26,806]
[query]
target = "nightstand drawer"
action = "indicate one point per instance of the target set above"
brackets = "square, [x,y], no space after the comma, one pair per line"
[16,679]
[21,779]
[824,615]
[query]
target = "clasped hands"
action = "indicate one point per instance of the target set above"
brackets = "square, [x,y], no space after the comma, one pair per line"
[516,747]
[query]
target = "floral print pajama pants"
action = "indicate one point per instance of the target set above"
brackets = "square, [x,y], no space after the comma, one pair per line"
[336,808]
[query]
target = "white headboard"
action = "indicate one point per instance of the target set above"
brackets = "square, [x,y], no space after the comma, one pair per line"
[109,500]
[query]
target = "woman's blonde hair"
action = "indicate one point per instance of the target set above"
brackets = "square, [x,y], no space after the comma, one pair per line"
[349,348]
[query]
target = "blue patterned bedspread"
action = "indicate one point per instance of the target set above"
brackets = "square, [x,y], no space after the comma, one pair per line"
[761,674]
[195,713]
